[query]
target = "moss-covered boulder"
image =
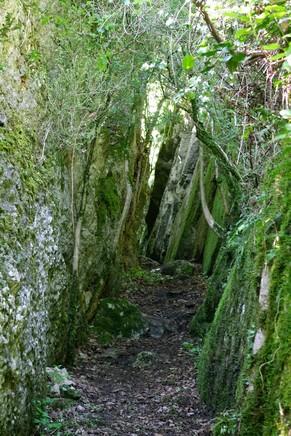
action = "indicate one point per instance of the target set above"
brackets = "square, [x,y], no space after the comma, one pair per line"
[178,268]
[117,317]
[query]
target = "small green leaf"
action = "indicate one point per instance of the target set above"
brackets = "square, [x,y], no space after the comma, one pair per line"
[272,46]
[275,8]
[102,62]
[242,34]
[234,61]
[278,56]
[188,62]
[208,67]
[207,53]
[55,425]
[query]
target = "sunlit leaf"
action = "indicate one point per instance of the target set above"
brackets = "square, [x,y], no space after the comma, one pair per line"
[243,34]
[188,62]
[102,62]
[278,56]
[275,8]
[272,46]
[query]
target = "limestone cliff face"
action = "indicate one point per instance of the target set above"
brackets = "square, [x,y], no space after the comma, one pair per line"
[61,225]
[176,188]
[34,276]
[180,230]
[246,352]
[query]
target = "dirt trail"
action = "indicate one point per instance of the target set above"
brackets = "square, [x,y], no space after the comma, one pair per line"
[153,393]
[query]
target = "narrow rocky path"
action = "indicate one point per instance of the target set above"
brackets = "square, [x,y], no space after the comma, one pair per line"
[145,385]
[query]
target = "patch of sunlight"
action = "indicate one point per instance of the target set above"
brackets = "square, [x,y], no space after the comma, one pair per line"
[217,9]
[154,154]
[154,97]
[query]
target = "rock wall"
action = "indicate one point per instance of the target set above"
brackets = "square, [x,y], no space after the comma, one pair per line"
[63,211]
[180,230]
[245,362]
[162,172]
[34,275]
[178,182]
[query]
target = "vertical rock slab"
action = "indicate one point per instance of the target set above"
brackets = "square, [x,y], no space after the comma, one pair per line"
[180,177]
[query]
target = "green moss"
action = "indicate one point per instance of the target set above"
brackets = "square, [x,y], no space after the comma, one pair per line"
[230,375]
[216,284]
[266,411]
[29,236]
[226,343]
[108,198]
[21,149]
[116,317]
[136,275]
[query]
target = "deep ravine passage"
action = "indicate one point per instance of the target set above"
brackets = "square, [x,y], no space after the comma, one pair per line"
[144,385]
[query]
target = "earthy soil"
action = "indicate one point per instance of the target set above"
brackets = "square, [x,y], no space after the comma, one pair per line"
[158,397]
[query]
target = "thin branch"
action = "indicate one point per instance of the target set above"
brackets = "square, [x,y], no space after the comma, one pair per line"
[214,32]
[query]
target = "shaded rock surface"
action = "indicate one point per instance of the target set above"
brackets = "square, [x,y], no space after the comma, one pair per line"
[184,162]
[179,268]
[145,385]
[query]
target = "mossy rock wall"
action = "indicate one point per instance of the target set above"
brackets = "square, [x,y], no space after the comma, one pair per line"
[103,226]
[162,172]
[45,303]
[179,180]
[34,277]
[191,237]
[226,343]
[245,361]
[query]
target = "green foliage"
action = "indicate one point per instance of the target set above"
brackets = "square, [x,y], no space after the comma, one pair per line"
[188,62]
[227,423]
[44,423]
[193,349]
[8,26]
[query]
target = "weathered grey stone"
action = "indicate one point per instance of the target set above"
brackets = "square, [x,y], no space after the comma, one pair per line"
[178,268]
[70,392]
[179,181]
[259,341]
[264,288]
[3,120]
